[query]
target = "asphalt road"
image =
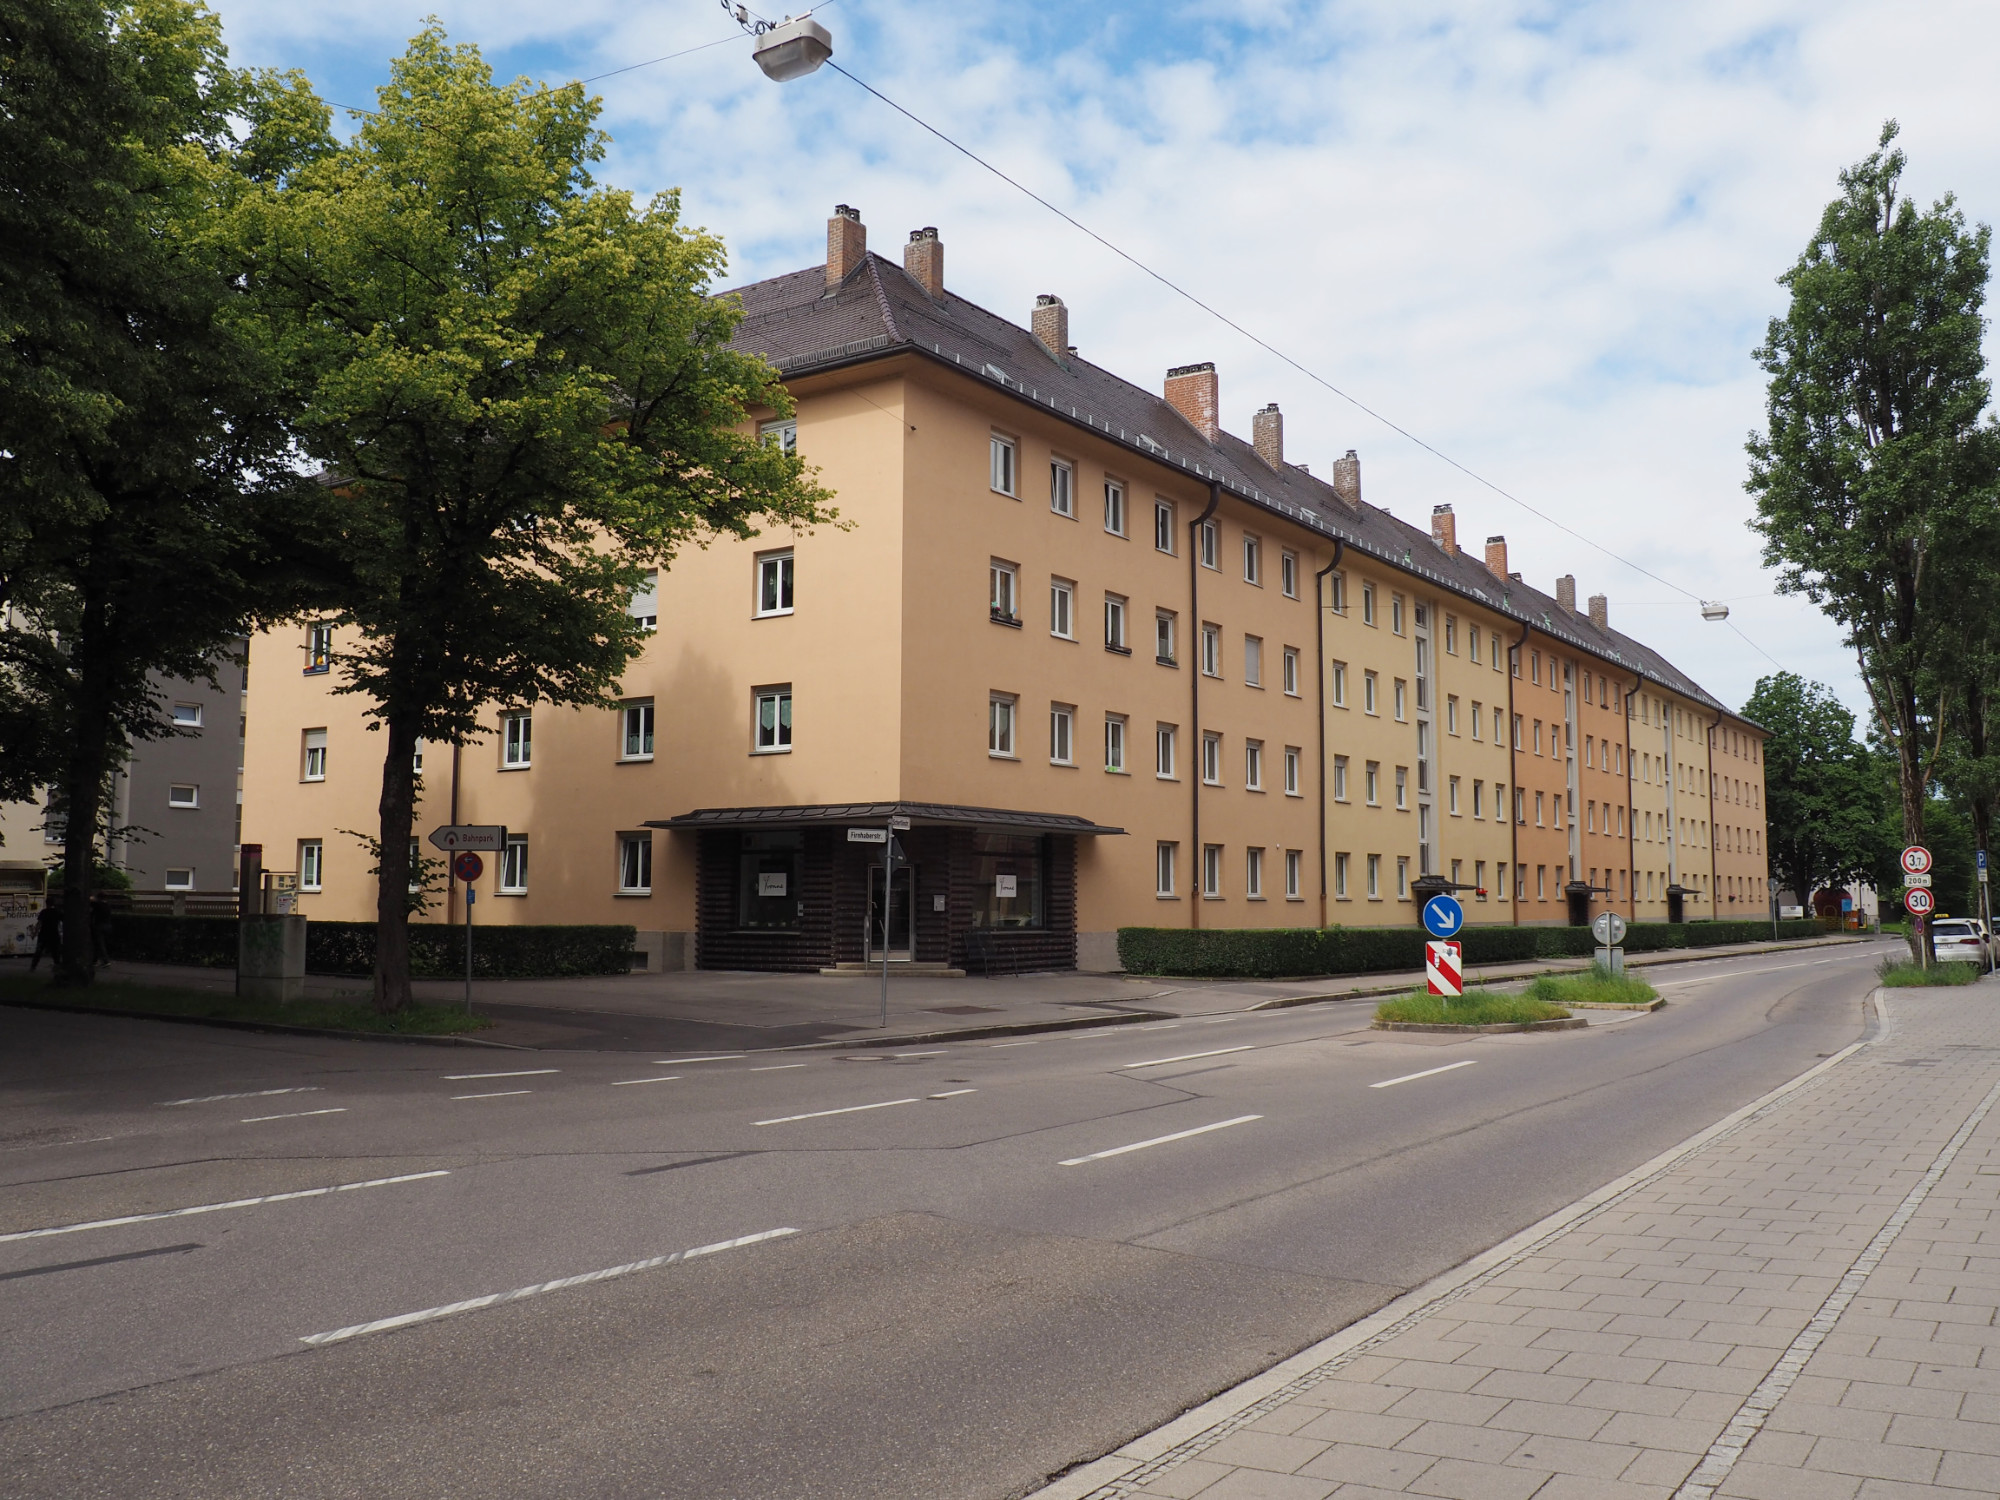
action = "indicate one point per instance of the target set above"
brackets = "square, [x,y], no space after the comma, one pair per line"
[966,1268]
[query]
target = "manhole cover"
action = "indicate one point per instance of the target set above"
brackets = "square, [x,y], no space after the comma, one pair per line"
[962,1010]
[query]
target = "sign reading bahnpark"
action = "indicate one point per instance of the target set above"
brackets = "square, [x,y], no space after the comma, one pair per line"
[491,837]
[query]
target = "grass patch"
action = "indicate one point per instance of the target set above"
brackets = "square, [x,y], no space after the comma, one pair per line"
[1594,986]
[329,1015]
[1468,1010]
[1902,974]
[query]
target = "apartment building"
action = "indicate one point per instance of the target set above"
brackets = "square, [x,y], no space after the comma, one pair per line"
[1114,665]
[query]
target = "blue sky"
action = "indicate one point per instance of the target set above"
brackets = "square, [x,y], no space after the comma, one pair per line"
[1544,236]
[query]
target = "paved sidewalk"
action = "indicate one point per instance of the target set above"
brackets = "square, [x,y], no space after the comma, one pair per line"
[1799,1304]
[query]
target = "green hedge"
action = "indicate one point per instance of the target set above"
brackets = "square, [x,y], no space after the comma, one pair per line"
[436,950]
[1268,953]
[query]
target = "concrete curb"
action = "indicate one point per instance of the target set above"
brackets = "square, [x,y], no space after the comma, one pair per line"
[273,1027]
[1567,1023]
[979,1033]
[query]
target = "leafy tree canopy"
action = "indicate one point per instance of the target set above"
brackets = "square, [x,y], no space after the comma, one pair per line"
[1822,790]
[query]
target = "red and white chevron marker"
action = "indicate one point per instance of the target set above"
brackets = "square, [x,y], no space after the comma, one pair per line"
[1444,968]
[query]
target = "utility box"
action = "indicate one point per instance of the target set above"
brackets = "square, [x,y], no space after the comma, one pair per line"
[271,959]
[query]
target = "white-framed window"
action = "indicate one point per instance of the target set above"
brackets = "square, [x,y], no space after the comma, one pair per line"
[1451,714]
[645,605]
[417,758]
[1114,507]
[1339,675]
[1114,744]
[1292,771]
[1402,878]
[1403,787]
[1163,526]
[1517,730]
[1062,488]
[1374,877]
[1336,593]
[1496,725]
[1472,646]
[1340,778]
[187,715]
[1253,660]
[1165,648]
[1211,871]
[1210,542]
[1253,560]
[1253,873]
[1165,856]
[1294,859]
[1253,765]
[1340,876]
[1479,880]
[1367,604]
[1062,608]
[416,866]
[1478,712]
[1291,671]
[1114,622]
[312,864]
[1396,613]
[1288,574]
[1402,701]
[635,864]
[1006,464]
[312,763]
[782,434]
[514,866]
[180,880]
[1004,591]
[1211,650]
[1211,758]
[771,720]
[635,720]
[1062,734]
[774,584]
[1000,725]
[1478,798]
[319,648]
[1451,789]
[183,794]
[517,740]
[1368,685]
[1371,788]
[1451,639]
[1165,737]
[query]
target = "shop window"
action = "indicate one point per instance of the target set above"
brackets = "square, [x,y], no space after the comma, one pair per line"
[767,887]
[1008,879]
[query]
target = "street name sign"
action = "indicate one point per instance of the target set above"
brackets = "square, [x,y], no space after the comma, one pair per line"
[1443,916]
[1918,900]
[867,835]
[490,837]
[1444,968]
[899,822]
[1916,860]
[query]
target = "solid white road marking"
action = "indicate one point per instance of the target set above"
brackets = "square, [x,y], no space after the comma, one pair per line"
[1389,1083]
[497,1094]
[517,1073]
[495,1299]
[211,1208]
[1161,1062]
[1158,1140]
[676,1062]
[299,1115]
[821,1114]
[952,1093]
[619,1083]
[1035,1043]
[776,1067]
[253,1094]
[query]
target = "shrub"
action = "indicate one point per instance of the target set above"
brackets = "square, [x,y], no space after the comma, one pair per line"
[1468,1010]
[1596,985]
[1902,973]
[437,951]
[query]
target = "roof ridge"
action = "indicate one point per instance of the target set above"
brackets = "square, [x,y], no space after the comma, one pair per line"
[874,261]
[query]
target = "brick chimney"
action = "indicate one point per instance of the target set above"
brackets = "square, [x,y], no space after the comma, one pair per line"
[1346,480]
[1194,392]
[1267,435]
[1600,611]
[846,243]
[1444,528]
[1050,323]
[1566,592]
[923,258]
[1496,557]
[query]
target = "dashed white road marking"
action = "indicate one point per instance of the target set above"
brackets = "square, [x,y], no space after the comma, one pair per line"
[619,1083]
[951,1093]
[212,1208]
[253,1094]
[517,1073]
[1161,1062]
[852,1109]
[1158,1140]
[679,1062]
[495,1299]
[1389,1083]
[776,1067]
[1035,1043]
[302,1114]
[496,1094]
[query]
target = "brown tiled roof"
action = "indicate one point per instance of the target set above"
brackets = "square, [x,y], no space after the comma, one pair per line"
[802,327]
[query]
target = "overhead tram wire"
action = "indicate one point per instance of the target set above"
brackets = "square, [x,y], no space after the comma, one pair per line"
[355,109]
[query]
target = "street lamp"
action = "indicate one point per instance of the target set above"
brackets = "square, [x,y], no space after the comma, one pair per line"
[785,49]
[1712,610]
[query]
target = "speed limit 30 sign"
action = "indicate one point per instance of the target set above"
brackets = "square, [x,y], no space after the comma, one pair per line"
[1919,900]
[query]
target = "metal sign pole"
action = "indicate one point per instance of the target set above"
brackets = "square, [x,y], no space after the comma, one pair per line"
[470,896]
[888,877]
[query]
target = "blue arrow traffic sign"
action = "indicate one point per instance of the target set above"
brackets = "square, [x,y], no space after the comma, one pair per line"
[1443,916]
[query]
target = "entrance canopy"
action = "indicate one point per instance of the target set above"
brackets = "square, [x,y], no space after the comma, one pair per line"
[875,815]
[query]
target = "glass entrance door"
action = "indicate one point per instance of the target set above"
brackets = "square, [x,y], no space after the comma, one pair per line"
[902,914]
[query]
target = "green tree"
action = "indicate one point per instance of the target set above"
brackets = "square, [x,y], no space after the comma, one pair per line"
[142,456]
[524,397]
[1822,790]
[1875,480]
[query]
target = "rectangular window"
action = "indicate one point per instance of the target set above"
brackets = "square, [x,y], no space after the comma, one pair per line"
[1368,692]
[768,881]
[1520,804]
[182,795]
[1062,488]
[187,715]
[1163,751]
[1114,507]
[1000,725]
[319,648]
[312,864]
[1163,637]
[1451,635]
[1211,759]
[1114,623]
[1339,669]
[638,726]
[1396,613]
[1374,877]
[1340,778]
[1371,788]
[1294,859]
[313,765]
[1291,770]
[1541,882]
[1253,874]
[1253,560]
[1336,593]
[514,866]
[774,720]
[774,584]
[1062,734]
[1253,660]
[517,740]
[1403,787]
[635,864]
[1253,765]
[1291,670]
[1538,809]
[1479,880]
[180,880]
[1211,870]
[1008,879]
[1163,526]
[1452,800]
[1114,743]
[1402,879]
[1517,730]
[1165,856]
[1340,876]
[1538,738]
[1472,644]
[1003,590]
[1211,650]
[1496,726]
[1590,817]
[1288,574]
[1520,882]
[1062,608]
[1402,701]
[1005,461]
[782,434]
[1535,666]
[1210,540]
[1451,715]
[1367,604]
[645,606]
[1478,799]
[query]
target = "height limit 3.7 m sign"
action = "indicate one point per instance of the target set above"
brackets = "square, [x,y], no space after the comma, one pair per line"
[1444,968]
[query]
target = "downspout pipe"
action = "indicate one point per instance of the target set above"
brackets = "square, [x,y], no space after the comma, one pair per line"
[1196,860]
[1631,800]
[1708,801]
[1513,769]
[1319,657]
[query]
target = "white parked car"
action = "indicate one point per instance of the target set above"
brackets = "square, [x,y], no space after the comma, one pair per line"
[1960,940]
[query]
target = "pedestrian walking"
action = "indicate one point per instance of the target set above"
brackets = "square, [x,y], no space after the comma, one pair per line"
[48,936]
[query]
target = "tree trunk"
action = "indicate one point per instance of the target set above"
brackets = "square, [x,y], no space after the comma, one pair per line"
[392,899]
[86,776]
[1910,783]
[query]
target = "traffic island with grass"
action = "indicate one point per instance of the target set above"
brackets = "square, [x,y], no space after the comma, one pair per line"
[1901,974]
[163,1003]
[1479,1011]
[1595,988]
